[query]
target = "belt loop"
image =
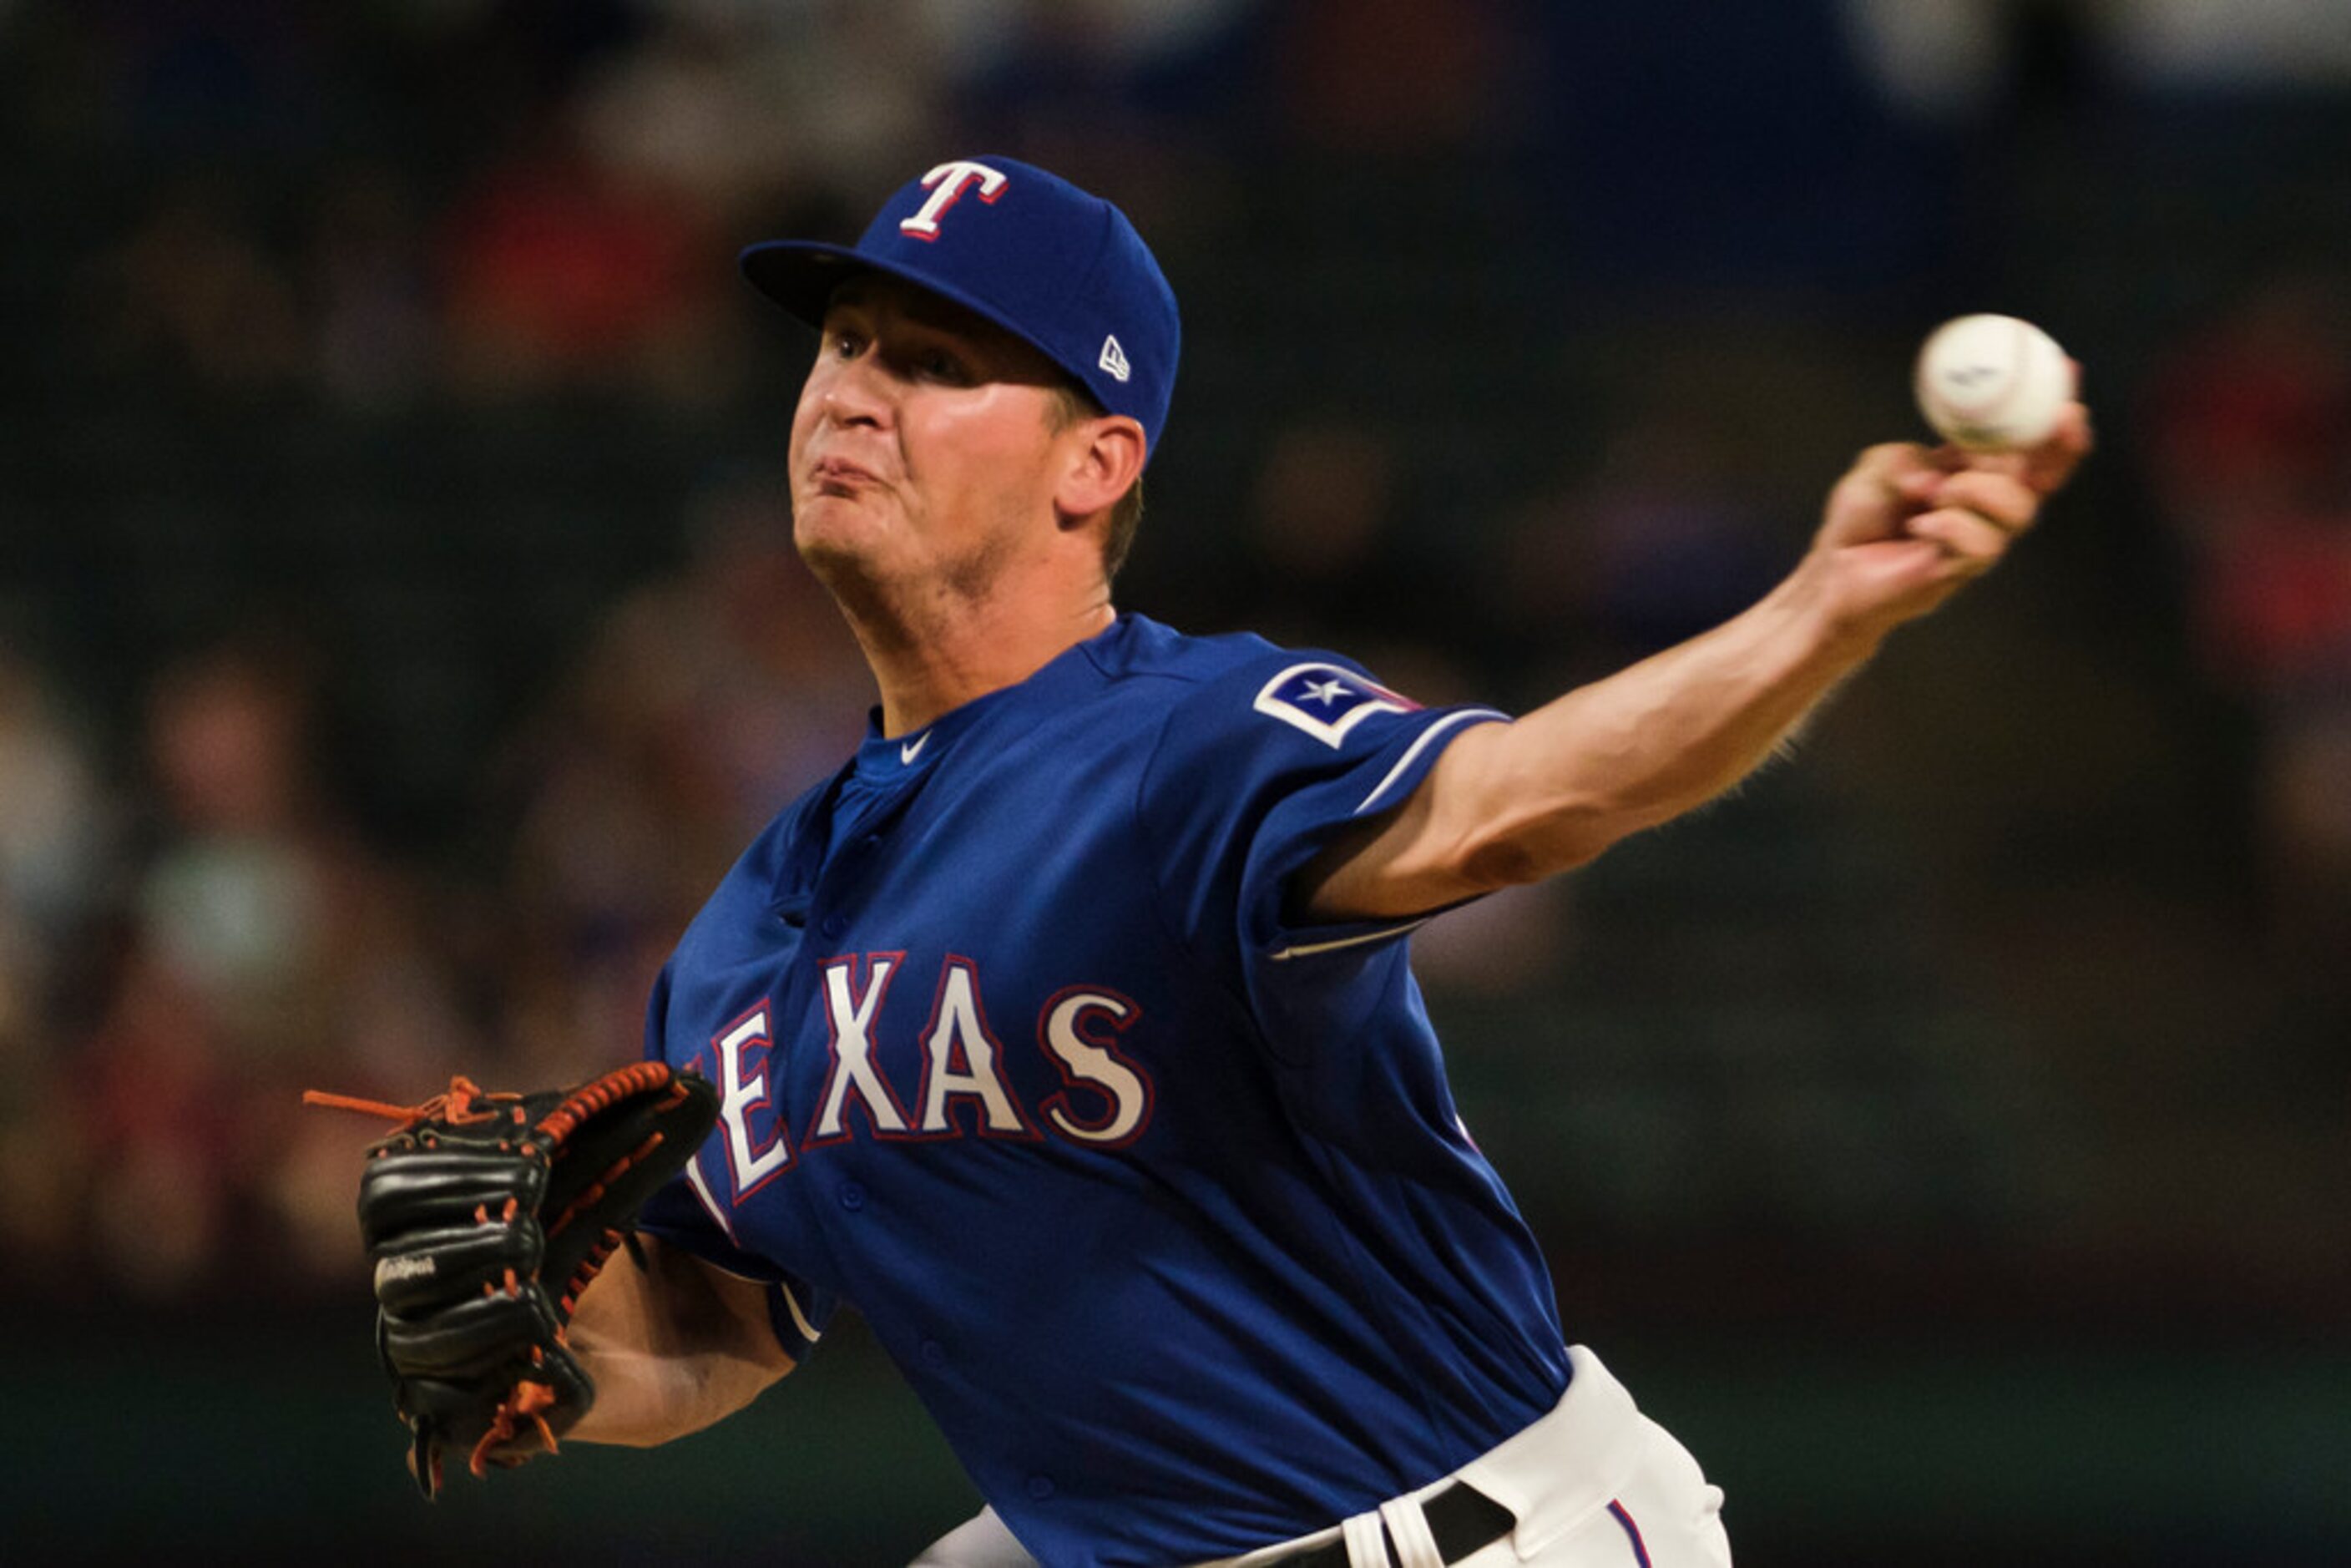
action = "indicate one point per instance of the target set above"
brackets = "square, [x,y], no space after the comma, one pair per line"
[1408,1527]
[1366,1546]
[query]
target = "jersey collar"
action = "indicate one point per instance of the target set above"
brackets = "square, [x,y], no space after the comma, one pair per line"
[1074,670]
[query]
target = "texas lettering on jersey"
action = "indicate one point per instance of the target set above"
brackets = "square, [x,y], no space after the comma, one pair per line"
[963,1088]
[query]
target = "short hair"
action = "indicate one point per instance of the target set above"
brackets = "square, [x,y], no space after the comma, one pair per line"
[1072,403]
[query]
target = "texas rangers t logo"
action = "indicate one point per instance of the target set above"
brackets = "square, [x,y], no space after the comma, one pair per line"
[946,185]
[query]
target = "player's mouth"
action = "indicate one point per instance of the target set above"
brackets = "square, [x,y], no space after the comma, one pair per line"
[839,476]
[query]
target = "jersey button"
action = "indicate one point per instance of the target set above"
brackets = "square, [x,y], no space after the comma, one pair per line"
[833,925]
[1040,1487]
[934,1354]
[851,1196]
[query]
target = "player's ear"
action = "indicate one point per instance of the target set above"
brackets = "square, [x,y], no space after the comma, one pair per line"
[1105,458]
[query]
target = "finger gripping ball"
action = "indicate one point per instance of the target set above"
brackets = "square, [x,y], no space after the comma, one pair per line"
[1992,383]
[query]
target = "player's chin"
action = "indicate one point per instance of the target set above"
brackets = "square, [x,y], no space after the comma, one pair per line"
[842,545]
[829,522]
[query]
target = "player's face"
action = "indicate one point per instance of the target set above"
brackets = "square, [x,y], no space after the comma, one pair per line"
[922,448]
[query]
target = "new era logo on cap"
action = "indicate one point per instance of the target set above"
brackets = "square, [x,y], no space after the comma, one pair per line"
[1034,254]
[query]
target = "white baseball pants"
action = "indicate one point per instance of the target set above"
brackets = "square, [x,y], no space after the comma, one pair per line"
[1593,1484]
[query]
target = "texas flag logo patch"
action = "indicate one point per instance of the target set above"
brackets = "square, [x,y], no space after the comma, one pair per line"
[1326,701]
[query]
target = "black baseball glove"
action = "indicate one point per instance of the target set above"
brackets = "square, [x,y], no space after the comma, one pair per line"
[487,1215]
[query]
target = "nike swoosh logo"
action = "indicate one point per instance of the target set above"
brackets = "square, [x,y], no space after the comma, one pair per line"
[913,748]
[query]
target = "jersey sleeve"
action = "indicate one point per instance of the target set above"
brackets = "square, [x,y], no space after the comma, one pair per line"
[682,1213]
[1254,772]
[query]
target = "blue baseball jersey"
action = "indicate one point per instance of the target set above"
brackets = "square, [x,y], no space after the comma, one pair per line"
[1156,1194]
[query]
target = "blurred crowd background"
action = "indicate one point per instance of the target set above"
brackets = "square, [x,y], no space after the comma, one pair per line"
[399,633]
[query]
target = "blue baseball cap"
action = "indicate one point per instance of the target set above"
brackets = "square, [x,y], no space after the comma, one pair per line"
[1029,251]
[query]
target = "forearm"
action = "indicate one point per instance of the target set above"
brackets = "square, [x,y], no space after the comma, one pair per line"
[672,1345]
[1517,802]
[1648,743]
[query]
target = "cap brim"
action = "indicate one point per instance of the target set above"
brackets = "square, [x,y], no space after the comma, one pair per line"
[800,275]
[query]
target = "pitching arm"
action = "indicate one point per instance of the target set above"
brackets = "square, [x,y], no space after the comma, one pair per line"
[674,1344]
[1903,530]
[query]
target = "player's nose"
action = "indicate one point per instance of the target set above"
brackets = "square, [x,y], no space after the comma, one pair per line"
[855,392]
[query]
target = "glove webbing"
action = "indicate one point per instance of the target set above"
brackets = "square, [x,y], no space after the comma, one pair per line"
[589,1098]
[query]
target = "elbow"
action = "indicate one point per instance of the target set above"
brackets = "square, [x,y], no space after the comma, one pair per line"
[1498,864]
[1505,854]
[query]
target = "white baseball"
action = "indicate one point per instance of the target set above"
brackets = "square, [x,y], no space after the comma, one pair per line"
[1992,383]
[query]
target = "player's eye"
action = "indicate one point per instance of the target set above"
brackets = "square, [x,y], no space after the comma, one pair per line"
[940,365]
[847,342]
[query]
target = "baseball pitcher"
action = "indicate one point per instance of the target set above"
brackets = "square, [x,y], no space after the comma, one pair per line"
[1068,1031]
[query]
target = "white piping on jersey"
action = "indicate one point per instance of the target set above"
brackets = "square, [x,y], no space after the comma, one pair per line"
[791,1302]
[799,1319]
[701,1186]
[1417,746]
[1307,950]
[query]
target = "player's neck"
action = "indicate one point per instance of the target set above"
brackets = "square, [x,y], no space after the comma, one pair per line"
[927,662]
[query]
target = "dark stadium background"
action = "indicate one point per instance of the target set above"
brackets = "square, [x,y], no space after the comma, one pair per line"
[1947,1136]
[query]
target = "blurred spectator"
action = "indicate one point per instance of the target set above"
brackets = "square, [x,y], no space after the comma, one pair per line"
[751,106]
[57,865]
[235,897]
[562,271]
[194,298]
[367,288]
[1947,58]
[44,1155]
[1398,77]
[58,838]
[2249,426]
[1938,61]
[744,113]
[2186,44]
[165,1117]
[698,110]
[2246,424]
[1129,95]
[265,951]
